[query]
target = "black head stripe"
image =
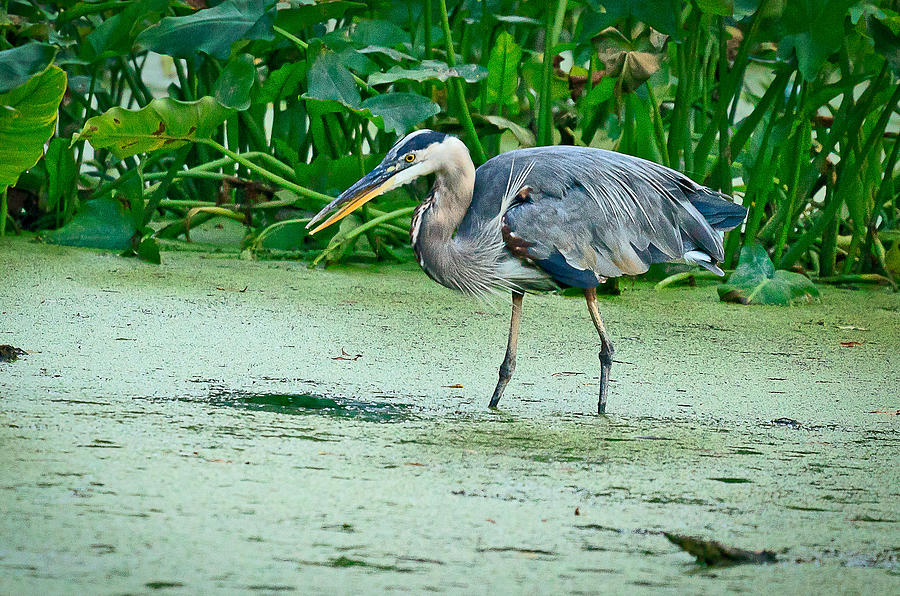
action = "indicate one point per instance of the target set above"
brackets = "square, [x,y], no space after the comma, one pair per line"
[419,141]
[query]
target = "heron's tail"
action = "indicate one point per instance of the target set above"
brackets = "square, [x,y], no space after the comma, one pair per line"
[721,214]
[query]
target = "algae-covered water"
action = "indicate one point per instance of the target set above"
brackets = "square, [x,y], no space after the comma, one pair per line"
[222,425]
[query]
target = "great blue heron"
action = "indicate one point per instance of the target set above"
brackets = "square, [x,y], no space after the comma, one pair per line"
[537,219]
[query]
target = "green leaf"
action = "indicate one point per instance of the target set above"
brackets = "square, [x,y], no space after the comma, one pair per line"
[20,64]
[148,250]
[399,112]
[378,33]
[815,31]
[724,8]
[103,223]
[329,79]
[116,35]
[27,119]
[211,30]
[430,70]
[61,172]
[281,83]
[503,73]
[886,34]
[232,88]
[659,14]
[755,281]
[305,15]
[164,124]
[523,135]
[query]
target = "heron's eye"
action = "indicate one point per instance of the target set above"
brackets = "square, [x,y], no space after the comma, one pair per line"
[410,158]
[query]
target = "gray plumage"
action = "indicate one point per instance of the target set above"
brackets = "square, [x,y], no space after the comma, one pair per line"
[536,219]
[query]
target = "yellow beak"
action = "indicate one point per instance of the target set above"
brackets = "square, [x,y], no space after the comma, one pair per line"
[370,186]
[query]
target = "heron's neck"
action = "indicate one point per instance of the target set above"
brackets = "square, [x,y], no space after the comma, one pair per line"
[437,218]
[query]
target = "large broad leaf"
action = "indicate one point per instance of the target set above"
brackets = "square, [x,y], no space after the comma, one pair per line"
[232,88]
[755,281]
[885,31]
[300,17]
[503,71]
[430,70]
[103,223]
[399,112]
[27,119]
[330,80]
[20,64]
[211,30]
[164,124]
[523,135]
[280,83]
[816,30]
[659,14]
[116,35]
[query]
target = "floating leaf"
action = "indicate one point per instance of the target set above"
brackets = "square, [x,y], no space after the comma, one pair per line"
[163,124]
[20,64]
[211,30]
[27,119]
[103,223]
[503,71]
[755,281]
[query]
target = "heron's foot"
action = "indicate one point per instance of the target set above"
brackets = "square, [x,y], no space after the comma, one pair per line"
[505,375]
[606,357]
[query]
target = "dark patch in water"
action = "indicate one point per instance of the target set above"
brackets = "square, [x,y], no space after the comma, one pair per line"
[305,404]
[163,585]
[728,480]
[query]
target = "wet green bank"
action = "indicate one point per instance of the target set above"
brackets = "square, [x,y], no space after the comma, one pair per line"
[224,425]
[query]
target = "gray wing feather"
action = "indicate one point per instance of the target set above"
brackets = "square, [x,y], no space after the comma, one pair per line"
[603,211]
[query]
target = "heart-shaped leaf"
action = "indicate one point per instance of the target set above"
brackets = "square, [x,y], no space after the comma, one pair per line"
[755,281]
[232,88]
[164,124]
[20,64]
[27,119]
[102,223]
[116,35]
[399,112]
[211,30]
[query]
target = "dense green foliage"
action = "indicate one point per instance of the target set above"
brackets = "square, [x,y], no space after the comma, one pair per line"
[789,105]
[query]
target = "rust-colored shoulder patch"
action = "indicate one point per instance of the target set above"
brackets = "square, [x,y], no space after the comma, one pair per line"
[514,244]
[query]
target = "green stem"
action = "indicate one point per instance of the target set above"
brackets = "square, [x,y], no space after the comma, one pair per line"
[545,115]
[456,87]
[160,193]
[3,209]
[426,26]
[355,232]
[271,177]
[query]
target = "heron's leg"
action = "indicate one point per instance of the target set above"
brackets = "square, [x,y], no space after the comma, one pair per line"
[606,347]
[509,362]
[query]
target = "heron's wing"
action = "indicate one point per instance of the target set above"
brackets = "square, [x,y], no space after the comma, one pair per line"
[589,214]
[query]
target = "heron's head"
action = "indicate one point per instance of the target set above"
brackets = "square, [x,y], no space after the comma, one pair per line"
[417,154]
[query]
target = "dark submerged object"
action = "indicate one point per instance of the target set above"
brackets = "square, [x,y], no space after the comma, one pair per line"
[538,219]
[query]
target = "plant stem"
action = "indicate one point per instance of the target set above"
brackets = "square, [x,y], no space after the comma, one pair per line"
[456,87]
[545,116]
[160,193]
[271,177]
[3,208]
